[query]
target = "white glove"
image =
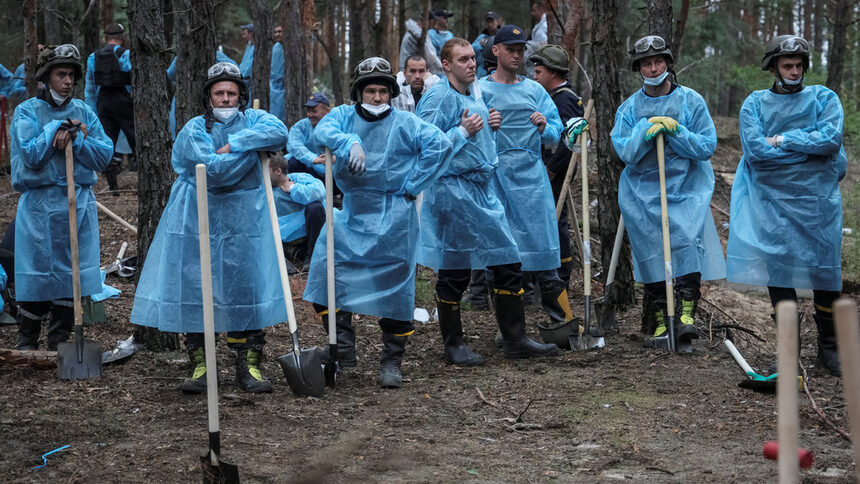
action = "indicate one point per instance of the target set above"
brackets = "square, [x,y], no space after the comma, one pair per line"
[356,160]
[775,141]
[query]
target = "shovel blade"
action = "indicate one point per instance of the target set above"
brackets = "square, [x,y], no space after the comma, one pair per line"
[79,359]
[117,354]
[659,343]
[304,372]
[223,473]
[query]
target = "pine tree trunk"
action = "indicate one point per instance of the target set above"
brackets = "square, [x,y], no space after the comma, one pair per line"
[680,27]
[150,58]
[607,98]
[195,25]
[660,19]
[90,27]
[261,13]
[842,13]
[51,23]
[295,65]
[335,63]
[31,46]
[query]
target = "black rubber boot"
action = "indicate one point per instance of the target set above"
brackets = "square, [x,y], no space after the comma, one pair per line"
[530,293]
[197,382]
[555,303]
[60,326]
[828,354]
[111,173]
[29,327]
[773,367]
[512,323]
[248,375]
[390,359]
[457,351]
[686,304]
[345,340]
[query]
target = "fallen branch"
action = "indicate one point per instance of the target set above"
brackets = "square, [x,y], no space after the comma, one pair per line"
[821,415]
[718,209]
[520,415]
[737,324]
[482,398]
[659,469]
[740,328]
[42,360]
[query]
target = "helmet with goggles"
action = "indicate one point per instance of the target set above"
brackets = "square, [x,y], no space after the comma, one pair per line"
[225,71]
[57,55]
[648,46]
[785,45]
[373,70]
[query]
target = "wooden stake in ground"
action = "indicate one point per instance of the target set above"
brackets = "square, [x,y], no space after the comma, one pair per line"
[786,391]
[848,339]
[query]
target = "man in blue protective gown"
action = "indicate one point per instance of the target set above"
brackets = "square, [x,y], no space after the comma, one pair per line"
[786,213]
[439,33]
[299,201]
[385,158]
[247,292]
[463,224]
[491,26]
[277,105]
[307,155]
[108,92]
[664,106]
[171,76]
[41,128]
[529,117]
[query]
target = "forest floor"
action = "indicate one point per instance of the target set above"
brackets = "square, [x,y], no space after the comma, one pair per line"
[618,413]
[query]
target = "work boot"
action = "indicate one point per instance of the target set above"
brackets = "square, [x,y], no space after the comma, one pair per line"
[61,324]
[828,355]
[345,340]
[688,302]
[510,316]
[390,359]
[29,327]
[111,173]
[197,383]
[248,375]
[555,303]
[661,328]
[457,351]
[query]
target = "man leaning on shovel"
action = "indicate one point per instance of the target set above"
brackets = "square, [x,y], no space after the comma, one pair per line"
[247,293]
[41,129]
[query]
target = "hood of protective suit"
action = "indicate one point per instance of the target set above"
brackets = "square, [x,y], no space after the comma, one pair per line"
[413,28]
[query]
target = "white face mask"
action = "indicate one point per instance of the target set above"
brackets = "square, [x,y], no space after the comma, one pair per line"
[59,100]
[376,110]
[225,114]
[655,81]
[795,82]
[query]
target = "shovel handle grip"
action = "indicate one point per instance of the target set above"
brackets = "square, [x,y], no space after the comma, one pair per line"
[73,236]
[569,175]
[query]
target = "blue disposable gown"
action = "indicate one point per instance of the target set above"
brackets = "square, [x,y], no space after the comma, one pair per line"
[304,146]
[376,235]
[246,66]
[7,81]
[479,55]
[689,185]
[246,289]
[2,285]
[291,206]
[463,223]
[43,263]
[18,89]
[786,213]
[171,76]
[523,185]
[276,83]
[91,90]
[439,38]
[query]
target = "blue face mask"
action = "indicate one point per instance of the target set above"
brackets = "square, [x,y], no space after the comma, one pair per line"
[655,81]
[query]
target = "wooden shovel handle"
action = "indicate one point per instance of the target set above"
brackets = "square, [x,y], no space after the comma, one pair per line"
[848,339]
[569,175]
[73,234]
[329,248]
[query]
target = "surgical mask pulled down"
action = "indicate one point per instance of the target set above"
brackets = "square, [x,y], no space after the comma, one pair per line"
[655,81]
[225,114]
[59,100]
[376,110]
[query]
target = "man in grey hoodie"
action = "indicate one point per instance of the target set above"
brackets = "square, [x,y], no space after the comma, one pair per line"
[409,47]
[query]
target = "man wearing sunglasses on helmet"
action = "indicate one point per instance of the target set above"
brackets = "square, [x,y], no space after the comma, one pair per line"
[41,129]
[680,113]
[786,213]
[385,158]
[246,290]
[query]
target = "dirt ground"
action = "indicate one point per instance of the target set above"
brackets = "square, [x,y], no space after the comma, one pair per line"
[618,413]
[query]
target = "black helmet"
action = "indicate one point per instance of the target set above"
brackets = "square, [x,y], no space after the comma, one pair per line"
[56,55]
[225,71]
[785,45]
[490,60]
[648,46]
[372,69]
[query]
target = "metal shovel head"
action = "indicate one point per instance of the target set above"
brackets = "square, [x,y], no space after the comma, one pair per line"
[117,354]
[605,310]
[222,473]
[304,372]
[585,340]
[79,359]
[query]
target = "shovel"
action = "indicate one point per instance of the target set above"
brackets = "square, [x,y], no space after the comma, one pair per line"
[848,339]
[302,367]
[214,469]
[787,420]
[590,338]
[332,367]
[667,341]
[79,359]
[606,306]
[117,264]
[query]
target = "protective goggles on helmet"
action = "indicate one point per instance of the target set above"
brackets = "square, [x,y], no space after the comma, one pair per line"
[374,64]
[223,67]
[647,43]
[65,51]
[793,45]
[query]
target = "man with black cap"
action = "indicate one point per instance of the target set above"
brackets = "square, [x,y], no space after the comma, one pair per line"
[41,129]
[439,33]
[247,293]
[307,155]
[108,92]
[491,26]
[551,67]
[529,117]
[385,158]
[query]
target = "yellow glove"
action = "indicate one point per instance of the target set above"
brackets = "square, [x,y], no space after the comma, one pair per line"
[660,124]
[653,131]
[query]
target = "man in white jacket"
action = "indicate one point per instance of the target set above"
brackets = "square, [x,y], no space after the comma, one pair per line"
[409,47]
[414,81]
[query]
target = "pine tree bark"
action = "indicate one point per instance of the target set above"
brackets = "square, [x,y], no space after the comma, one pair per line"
[261,13]
[51,23]
[607,97]
[295,64]
[89,27]
[195,25]
[31,47]
[680,27]
[660,19]
[842,15]
[326,40]
[150,58]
